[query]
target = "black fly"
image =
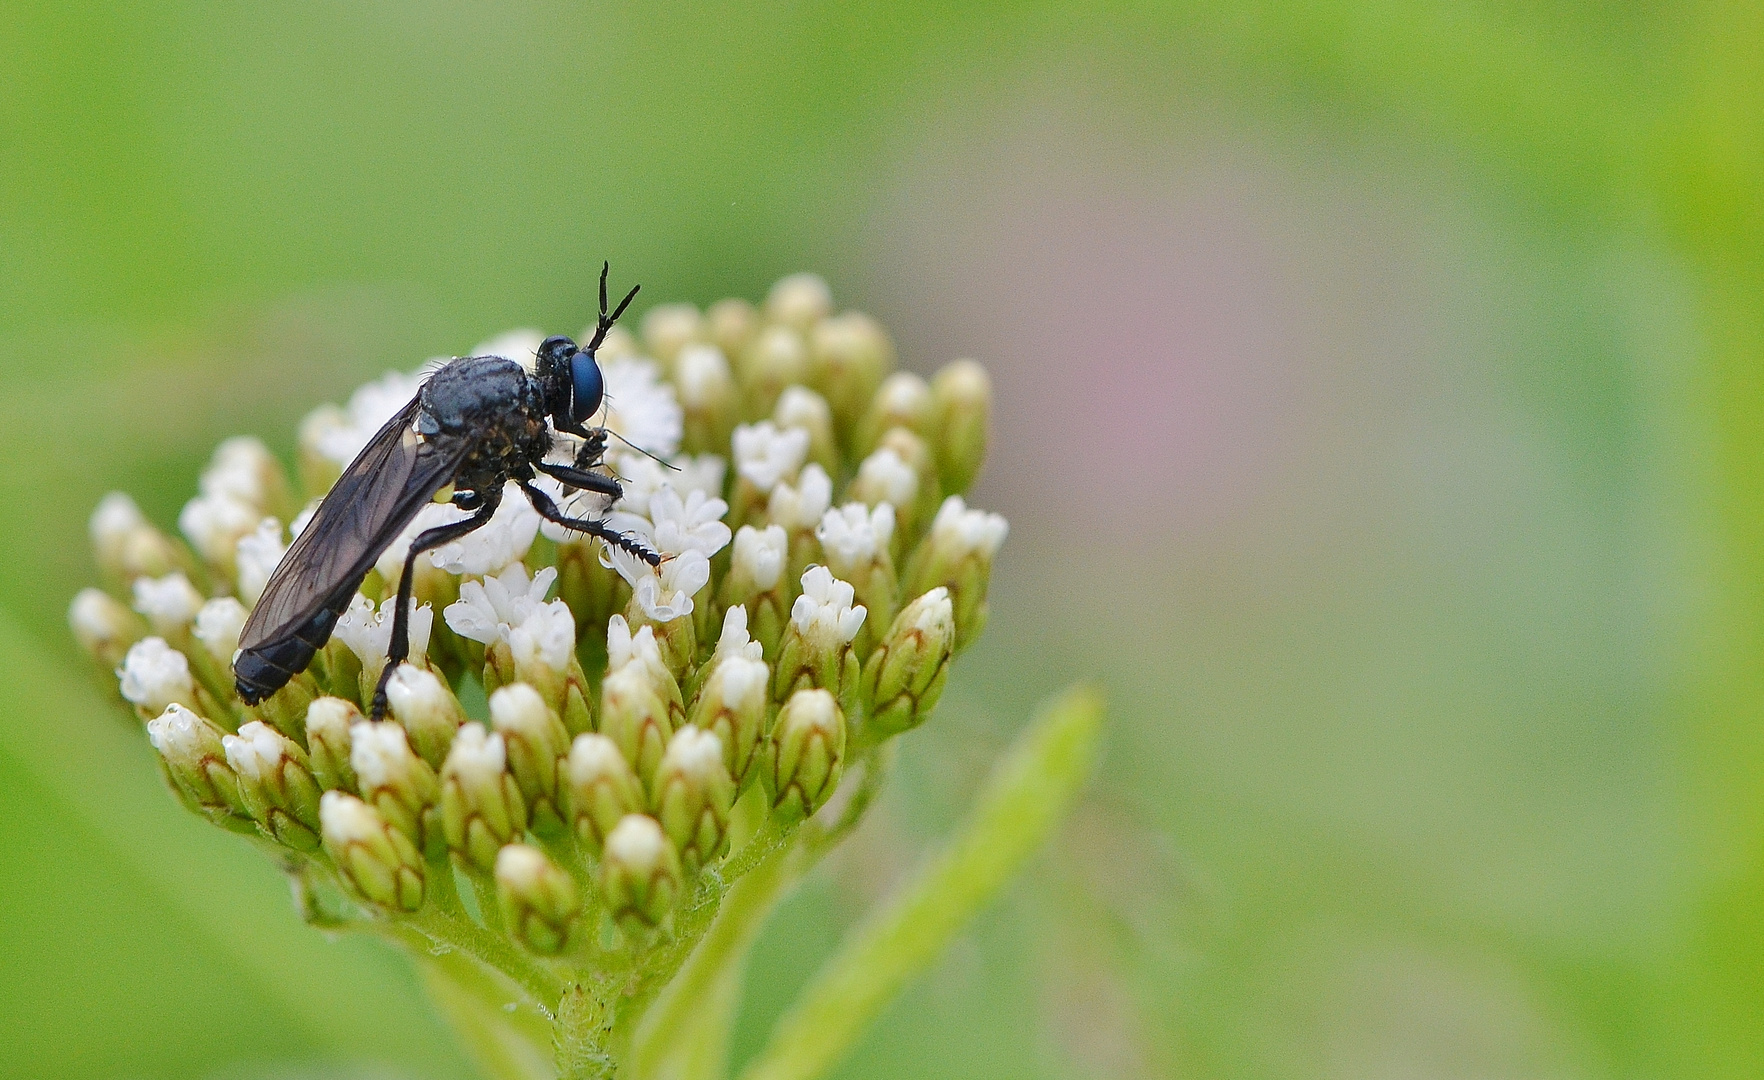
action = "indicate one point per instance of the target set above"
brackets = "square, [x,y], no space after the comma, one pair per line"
[477,423]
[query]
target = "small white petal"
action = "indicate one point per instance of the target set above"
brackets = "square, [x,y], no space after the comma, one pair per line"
[155,675]
[760,555]
[218,625]
[961,531]
[801,505]
[547,636]
[257,556]
[640,405]
[734,642]
[169,603]
[214,523]
[889,477]
[766,454]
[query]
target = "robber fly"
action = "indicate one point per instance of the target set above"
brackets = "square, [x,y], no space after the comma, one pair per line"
[476,423]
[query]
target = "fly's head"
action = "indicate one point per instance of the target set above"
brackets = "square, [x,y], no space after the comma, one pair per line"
[572,382]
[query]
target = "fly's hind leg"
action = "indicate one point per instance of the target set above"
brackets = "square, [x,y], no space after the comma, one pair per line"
[398,650]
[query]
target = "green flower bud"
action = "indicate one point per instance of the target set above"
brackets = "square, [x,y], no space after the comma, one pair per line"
[777,358]
[732,704]
[816,649]
[623,646]
[693,794]
[481,805]
[328,720]
[800,407]
[537,742]
[394,781]
[903,400]
[799,301]
[731,324]
[900,472]
[709,398]
[668,328]
[904,677]
[603,789]
[849,354]
[639,872]
[635,716]
[373,857]
[103,626]
[805,755]
[961,396]
[276,783]
[539,901]
[196,761]
[958,553]
[426,709]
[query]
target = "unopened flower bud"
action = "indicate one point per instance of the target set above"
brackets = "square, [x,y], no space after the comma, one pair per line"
[639,872]
[243,469]
[375,858]
[799,300]
[805,755]
[958,553]
[961,396]
[170,603]
[103,626]
[797,508]
[634,715]
[543,648]
[127,546]
[849,354]
[397,783]
[693,794]
[855,539]
[255,557]
[539,901]
[537,742]
[903,400]
[816,647]
[603,789]
[884,477]
[154,675]
[777,358]
[218,625]
[426,709]
[904,677]
[756,581]
[276,783]
[481,805]
[708,397]
[802,408]
[625,647]
[668,328]
[328,722]
[731,324]
[214,524]
[732,705]
[196,760]
[765,456]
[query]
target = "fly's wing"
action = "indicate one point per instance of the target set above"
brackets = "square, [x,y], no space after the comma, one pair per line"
[376,497]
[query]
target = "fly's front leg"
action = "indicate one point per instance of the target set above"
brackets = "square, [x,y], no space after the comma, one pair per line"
[583,481]
[549,511]
[398,649]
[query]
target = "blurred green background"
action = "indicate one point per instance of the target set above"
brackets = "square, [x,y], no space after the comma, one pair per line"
[1381,419]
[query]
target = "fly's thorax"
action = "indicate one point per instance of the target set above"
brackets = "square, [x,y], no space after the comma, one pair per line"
[492,402]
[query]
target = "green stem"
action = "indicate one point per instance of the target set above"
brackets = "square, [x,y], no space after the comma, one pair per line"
[493,951]
[1024,799]
[504,1045]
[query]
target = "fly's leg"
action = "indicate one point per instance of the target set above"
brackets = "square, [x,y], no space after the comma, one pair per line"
[585,481]
[398,650]
[549,511]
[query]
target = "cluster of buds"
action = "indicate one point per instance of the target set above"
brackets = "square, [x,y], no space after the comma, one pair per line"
[580,740]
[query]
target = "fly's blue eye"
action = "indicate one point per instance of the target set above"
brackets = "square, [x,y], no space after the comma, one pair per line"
[585,385]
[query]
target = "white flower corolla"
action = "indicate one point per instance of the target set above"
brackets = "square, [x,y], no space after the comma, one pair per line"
[701,472]
[624,647]
[112,524]
[800,407]
[505,540]
[338,435]
[766,454]
[259,551]
[243,469]
[98,620]
[488,610]
[639,475]
[958,531]
[368,633]
[546,636]
[760,555]
[800,506]
[478,757]
[887,477]
[734,642]
[640,405]
[391,561]
[824,614]
[154,675]
[256,752]
[800,300]
[701,372]
[218,624]
[380,754]
[521,346]
[169,602]
[178,733]
[667,595]
[214,523]
[694,523]
[853,535]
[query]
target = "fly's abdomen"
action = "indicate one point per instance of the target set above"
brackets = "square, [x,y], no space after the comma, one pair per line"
[260,672]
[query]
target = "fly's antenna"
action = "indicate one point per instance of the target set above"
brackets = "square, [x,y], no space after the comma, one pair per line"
[606,321]
[640,450]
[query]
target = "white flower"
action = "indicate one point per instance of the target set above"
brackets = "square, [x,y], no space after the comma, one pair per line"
[256,752]
[766,454]
[668,595]
[702,374]
[691,524]
[477,757]
[705,473]
[242,469]
[903,395]
[640,406]
[368,633]
[824,614]
[258,554]
[214,524]
[886,476]
[391,561]
[759,556]
[800,407]
[547,636]
[960,531]
[640,477]
[155,675]
[218,625]
[380,754]
[506,539]
[113,522]
[800,506]
[488,610]
[338,435]
[734,642]
[177,733]
[521,346]
[852,536]
[97,619]
[169,602]
[624,647]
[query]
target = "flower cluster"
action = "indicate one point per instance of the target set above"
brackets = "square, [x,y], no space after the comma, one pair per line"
[583,752]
